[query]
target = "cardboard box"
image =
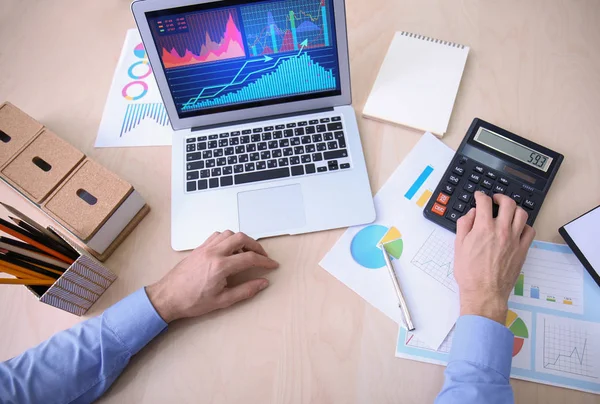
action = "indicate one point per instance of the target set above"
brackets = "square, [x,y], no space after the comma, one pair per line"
[41,166]
[17,129]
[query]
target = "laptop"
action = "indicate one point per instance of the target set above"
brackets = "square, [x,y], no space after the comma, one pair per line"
[258,93]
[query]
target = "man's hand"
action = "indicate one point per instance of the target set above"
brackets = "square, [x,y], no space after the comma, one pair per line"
[489,255]
[198,284]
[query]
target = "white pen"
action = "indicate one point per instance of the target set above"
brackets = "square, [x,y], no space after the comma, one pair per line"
[401,301]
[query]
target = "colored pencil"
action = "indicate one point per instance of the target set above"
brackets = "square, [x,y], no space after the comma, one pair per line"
[64,243]
[31,222]
[20,244]
[22,266]
[33,256]
[43,239]
[27,282]
[52,268]
[14,231]
[14,272]
[11,268]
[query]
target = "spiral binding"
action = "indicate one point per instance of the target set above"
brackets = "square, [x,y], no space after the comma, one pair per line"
[434,40]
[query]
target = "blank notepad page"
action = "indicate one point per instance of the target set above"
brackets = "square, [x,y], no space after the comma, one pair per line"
[417,83]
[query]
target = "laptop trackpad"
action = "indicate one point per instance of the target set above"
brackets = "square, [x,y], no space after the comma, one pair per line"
[271,211]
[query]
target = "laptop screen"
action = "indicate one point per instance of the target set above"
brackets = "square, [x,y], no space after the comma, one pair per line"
[229,55]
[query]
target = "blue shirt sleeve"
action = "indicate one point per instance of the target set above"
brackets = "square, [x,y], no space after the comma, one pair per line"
[479,367]
[79,364]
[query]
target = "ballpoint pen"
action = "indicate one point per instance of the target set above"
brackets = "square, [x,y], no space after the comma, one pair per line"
[401,301]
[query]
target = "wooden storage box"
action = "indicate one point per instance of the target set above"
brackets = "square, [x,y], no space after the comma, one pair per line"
[87,199]
[41,166]
[91,203]
[17,129]
[79,287]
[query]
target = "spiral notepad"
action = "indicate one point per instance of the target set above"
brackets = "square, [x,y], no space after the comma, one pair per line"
[417,83]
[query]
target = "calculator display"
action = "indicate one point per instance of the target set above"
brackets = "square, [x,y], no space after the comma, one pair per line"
[513,149]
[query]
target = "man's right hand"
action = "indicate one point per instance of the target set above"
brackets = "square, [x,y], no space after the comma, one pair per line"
[198,284]
[489,255]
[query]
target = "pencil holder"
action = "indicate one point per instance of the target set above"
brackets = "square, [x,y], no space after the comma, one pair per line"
[79,287]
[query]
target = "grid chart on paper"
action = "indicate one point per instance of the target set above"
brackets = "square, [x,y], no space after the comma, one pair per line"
[568,350]
[412,341]
[436,258]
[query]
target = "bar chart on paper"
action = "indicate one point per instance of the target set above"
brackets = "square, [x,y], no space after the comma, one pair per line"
[569,348]
[550,279]
[422,196]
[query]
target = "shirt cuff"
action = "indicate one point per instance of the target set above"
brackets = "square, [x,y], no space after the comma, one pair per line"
[134,320]
[483,342]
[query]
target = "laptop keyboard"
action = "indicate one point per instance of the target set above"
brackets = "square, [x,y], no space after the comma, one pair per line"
[261,153]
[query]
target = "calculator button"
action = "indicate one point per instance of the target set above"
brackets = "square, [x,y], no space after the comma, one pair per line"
[486,183]
[485,191]
[453,216]
[474,178]
[458,170]
[527,188]
[529,204]
[449,189]
[470,187]
[503,181]
[517,198]
[442,198]
[499,189]
[479,169]
[453,179]
[491,175]
[464,196]
[438,209]
[460,206]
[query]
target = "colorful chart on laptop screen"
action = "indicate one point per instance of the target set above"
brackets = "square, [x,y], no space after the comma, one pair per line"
[365,245]
[219,59]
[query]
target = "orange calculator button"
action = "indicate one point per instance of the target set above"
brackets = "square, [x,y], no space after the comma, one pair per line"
[438,209]
[443,198]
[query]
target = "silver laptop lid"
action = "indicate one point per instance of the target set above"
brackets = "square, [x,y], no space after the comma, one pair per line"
[218,62]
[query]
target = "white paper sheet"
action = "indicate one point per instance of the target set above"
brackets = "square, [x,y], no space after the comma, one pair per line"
[433,306]
[134,114]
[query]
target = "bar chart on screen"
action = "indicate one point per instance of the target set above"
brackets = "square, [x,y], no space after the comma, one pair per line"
[550,279]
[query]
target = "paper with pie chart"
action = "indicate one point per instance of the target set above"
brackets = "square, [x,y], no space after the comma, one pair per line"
[517,321]
[357,261]
[134,114]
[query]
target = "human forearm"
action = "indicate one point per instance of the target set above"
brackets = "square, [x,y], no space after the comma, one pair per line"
[479,366]
[77,365]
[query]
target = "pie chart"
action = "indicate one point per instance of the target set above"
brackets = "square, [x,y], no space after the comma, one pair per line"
[139,51]
[364,247]
[517,326]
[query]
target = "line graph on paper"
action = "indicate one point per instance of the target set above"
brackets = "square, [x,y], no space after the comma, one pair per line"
[569,347]
[436,258]
[411,340]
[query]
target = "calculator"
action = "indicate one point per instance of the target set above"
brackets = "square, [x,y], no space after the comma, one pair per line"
[494,161]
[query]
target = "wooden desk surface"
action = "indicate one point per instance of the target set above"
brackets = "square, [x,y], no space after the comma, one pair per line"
[533,69]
